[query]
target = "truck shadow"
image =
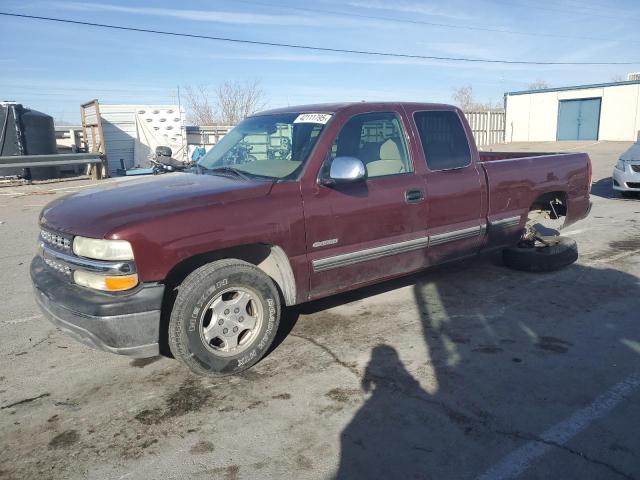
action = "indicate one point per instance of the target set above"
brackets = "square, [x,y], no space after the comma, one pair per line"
[291,315]
[508,355]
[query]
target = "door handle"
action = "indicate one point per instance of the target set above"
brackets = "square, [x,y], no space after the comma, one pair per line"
[413,196]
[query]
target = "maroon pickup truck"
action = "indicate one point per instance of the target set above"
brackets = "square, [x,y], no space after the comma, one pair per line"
[291,205]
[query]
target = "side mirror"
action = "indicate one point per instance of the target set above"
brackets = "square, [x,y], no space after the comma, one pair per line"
[347,170]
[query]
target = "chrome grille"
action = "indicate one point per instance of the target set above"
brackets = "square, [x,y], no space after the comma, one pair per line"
[58,266]
[55,240]
[635,168]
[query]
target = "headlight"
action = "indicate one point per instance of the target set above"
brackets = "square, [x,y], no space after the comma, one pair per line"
[621,165]
[107,283]
[102,249]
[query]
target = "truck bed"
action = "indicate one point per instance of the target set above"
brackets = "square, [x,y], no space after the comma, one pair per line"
[516,179]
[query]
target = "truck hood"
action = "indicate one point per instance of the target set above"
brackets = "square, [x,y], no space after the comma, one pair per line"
[95,212]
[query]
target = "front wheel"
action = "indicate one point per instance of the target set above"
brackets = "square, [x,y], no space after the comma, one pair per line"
[224,319]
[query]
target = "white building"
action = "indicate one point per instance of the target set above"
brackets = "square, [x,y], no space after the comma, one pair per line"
[608,111]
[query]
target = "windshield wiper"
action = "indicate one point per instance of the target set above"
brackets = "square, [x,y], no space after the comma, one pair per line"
[225,171]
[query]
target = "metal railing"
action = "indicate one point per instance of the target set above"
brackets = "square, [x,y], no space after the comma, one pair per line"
[53,160]
[68,140]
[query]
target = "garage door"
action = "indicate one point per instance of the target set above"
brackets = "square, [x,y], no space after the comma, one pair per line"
[579,119]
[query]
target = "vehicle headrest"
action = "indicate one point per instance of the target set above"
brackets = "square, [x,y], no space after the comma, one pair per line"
[389,150]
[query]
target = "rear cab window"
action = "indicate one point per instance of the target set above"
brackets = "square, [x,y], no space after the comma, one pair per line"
[378,140]
[444,140]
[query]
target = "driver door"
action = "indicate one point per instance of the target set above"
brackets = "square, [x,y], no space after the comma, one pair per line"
[364,231]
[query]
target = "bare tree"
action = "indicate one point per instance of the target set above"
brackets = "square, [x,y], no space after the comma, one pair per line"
[538,85]
[229,104]
[237,100]
[464,98]
[199,108]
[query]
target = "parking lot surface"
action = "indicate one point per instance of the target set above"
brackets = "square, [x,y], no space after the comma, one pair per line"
[469,370]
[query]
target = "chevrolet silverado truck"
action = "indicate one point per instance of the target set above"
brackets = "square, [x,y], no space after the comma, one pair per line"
[291,205]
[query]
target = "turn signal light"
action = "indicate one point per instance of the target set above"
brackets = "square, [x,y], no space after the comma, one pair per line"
[108,283]
[121,283]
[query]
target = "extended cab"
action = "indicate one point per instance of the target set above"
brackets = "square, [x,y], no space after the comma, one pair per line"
[292,205]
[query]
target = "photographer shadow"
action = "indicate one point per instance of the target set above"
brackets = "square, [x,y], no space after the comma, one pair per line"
[509,355]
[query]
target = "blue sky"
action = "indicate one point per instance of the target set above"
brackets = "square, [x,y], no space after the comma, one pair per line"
[55,67]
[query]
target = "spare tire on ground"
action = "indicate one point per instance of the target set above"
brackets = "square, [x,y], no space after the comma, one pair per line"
[545,258]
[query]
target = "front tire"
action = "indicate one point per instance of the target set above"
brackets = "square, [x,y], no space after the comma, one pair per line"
[224,319]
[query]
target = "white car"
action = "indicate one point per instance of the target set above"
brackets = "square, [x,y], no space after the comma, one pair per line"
[626,174]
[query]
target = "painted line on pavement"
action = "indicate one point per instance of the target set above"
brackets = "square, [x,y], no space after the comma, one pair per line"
[519,460]
[12,194]
[73,187]
[6,323]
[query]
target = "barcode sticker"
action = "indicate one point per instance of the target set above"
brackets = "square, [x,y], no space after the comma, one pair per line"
[321,118]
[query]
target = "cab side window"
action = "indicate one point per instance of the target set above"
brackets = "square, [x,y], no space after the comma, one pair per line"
[378,140]
[443,139]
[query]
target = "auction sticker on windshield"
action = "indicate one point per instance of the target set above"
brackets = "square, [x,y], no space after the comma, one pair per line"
[321,118]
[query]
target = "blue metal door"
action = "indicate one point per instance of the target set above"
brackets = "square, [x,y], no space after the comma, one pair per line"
[579,119]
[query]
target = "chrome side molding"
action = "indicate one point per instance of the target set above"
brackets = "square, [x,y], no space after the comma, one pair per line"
[454,235]
[352,258]
[507,222]
[369,254]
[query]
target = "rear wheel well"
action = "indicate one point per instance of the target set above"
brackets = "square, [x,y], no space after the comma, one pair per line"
[546,216]
[271,259]
[553,203]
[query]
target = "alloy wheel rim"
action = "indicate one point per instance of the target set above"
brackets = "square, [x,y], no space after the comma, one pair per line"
[231,321]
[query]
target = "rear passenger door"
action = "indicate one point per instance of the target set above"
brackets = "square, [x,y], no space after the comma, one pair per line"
[368,230]
[455,186]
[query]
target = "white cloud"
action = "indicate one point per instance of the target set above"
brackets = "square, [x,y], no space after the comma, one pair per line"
[327,58]
[318,58]
[458,49]
[433,10]
[298,94]
[219,16]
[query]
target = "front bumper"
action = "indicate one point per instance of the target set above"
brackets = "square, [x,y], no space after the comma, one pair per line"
[126,324]
[627,181]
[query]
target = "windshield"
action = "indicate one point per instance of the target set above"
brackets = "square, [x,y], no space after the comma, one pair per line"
[269,146]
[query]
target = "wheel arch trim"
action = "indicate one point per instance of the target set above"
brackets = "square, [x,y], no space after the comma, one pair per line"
[270,259]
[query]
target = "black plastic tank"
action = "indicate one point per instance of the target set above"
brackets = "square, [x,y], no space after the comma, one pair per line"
[26,132]
[38,133]
[10,138]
